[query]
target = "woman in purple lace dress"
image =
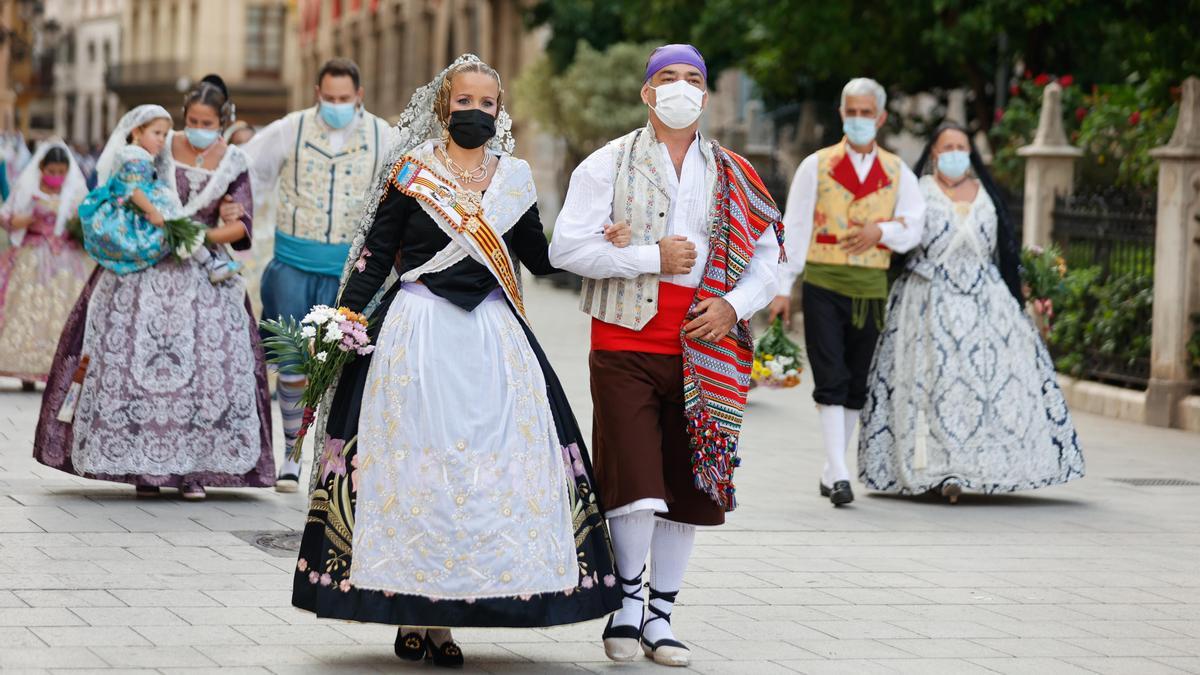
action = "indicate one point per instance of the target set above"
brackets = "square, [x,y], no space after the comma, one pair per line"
[173,391]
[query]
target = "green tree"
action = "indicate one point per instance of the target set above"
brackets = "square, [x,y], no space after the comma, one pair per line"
[593,101]
[797,49]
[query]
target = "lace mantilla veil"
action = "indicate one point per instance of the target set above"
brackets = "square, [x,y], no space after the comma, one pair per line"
[418,124]
[29,183]
[116,141]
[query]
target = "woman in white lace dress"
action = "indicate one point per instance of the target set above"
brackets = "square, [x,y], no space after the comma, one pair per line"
[174,391]
[963,392]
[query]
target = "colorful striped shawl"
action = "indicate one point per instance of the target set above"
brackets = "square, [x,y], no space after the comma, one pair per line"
[716,375]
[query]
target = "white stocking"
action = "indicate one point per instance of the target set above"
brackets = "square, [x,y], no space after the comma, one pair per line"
[851,425]
[669,555]
[631,535]
[833,428]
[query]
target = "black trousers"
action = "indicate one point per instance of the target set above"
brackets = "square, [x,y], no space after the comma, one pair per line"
[839,354]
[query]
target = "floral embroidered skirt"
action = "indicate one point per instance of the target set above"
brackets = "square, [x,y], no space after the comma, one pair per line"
[454,490]
[962,387]
[39,282]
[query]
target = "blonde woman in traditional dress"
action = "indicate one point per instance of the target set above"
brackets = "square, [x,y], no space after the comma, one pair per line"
[453,486]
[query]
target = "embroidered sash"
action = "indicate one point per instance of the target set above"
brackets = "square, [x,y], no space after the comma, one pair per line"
[716,374]
[465,219]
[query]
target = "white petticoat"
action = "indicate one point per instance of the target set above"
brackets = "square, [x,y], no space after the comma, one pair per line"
[462,491]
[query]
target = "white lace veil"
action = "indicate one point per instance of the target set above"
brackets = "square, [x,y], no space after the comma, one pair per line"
[116,142]
[418,124]
[29,183]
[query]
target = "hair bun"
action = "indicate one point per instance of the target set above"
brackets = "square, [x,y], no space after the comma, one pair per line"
[216,81]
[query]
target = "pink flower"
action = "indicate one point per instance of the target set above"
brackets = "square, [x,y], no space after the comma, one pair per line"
[524,597]
[361,263]
[302,565]
[354,473]
[389,594]
[569,591]
[344,586]
[999,114]
[610,580]
[332,460]
[326,579]
[313,577]
[587,582]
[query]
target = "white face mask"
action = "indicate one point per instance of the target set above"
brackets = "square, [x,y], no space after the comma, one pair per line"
[678,104]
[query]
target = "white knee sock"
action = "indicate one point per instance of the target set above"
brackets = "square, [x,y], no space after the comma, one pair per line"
[851,426]
[833,428]
[669,553]
[631,536]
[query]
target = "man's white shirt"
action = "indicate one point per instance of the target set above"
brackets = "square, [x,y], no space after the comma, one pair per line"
[578,244]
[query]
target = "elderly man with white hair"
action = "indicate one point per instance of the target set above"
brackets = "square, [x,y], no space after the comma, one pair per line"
[850,206]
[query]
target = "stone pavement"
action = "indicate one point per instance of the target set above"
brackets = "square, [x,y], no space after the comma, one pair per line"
[1093,577]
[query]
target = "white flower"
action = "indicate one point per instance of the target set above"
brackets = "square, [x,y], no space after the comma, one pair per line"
[321,356]
[333,333]
[308,332]
[319,314]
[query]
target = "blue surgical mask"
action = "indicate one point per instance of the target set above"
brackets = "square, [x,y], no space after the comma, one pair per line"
[860,130]
[953,164]
[201,138]
[337,115]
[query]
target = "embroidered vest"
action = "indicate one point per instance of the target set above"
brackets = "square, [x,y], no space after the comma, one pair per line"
[842,199]
[640,198]
[320,191]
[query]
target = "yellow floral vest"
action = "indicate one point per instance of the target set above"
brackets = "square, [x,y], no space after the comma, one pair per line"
[842,199]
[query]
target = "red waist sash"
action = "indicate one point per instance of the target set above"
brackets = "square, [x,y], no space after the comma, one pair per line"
[659,336]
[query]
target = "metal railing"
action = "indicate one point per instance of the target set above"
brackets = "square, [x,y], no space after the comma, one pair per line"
[1111,228]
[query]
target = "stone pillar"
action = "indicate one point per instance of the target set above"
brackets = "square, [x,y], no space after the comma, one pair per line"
[1049,168]
[1176,261]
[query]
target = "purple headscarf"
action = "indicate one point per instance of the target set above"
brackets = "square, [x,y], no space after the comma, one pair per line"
[679,53]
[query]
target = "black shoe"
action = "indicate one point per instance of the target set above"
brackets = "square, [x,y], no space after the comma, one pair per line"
[665,652]
[410,646]
[839,494]
[448,655]
[287,483]
[621,641]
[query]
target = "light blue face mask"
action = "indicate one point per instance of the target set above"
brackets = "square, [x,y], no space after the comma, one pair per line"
[860,130]
[337,115]
[201,138]
[953,164]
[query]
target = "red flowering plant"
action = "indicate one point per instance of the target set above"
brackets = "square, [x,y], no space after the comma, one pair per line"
[1115,126]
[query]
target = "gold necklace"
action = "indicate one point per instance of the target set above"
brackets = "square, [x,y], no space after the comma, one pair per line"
[476,175]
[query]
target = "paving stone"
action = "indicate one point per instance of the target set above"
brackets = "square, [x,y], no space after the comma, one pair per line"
[1089,577]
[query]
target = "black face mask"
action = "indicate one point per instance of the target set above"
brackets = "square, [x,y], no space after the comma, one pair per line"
[471,128]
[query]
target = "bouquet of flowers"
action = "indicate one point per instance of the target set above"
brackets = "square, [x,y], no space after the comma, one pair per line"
[183,236]
[317,347]
[74,228]
[778,361]
[1042,274]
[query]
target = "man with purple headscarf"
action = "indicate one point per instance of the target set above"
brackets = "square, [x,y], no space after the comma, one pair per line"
[669,339]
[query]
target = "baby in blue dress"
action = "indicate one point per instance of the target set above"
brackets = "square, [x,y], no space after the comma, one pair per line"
[123,239]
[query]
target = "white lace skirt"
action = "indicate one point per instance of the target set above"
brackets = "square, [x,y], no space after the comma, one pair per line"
[462,491]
